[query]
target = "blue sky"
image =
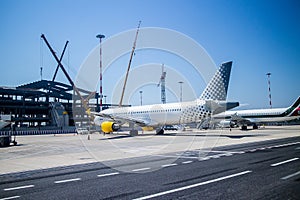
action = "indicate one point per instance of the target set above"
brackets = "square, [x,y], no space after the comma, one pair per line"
[259,36]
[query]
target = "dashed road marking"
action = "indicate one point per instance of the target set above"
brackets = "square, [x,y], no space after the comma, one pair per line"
[192,186]
[291,175]
[169,165]
[8,198]
[283,162]
[203,158]
[187,162]
[109,174]
[18,188]
[68,180]
[141,169]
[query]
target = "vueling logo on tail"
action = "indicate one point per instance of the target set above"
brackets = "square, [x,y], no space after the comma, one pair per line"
[218,86]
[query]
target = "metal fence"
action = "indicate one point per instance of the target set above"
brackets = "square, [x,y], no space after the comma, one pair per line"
[38,132]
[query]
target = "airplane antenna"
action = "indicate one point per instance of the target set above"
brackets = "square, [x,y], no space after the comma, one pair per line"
[128,68]
[269,85]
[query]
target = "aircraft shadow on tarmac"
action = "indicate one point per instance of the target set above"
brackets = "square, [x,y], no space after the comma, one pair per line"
[114,137]
[215,135]
[231,136]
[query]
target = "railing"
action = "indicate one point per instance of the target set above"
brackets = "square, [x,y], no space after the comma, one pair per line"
[38,132]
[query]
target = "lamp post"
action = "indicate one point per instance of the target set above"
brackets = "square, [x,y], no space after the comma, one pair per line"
[180,82]
[101,95]
[141,97]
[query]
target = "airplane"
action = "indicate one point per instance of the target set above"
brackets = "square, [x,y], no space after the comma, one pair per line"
[212,101]
[255,117]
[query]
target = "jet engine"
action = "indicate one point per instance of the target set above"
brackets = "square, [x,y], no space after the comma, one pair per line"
[109,127]
[226,124]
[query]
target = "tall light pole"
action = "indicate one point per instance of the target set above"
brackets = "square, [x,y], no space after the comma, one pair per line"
[180,82]
[141,97]
[105,99]
[269,85]
[101,95]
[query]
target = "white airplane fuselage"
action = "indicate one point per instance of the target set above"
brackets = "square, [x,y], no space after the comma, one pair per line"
[161,114]
[260,115]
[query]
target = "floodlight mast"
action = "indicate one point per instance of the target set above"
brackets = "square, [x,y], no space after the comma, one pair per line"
[180,82]
[269,85]
[101,95]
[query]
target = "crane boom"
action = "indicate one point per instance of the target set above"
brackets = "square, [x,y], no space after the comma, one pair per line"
[62,55]
[128,68]
[84,101]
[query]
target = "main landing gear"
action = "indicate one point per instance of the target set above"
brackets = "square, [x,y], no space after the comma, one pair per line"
[159,131]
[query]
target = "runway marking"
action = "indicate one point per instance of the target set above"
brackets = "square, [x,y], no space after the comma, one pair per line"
[13,197]
[283,162]
[177,156]
[68,180]
[194,185]
[291,175]
[18,188]
[224,152]
[169,165]
[109,174]
[187,162]
[203,158]
[141,169]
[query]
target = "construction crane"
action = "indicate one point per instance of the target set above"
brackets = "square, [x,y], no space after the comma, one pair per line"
[162,84]
[128,68]
[60,59]
[84,101]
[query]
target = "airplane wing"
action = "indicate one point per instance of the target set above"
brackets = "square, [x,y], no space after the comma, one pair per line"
[127,119]
[240,120]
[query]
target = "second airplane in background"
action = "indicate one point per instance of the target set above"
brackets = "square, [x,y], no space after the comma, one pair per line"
[256,117]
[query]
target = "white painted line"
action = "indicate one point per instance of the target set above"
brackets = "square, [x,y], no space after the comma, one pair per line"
[141,169]
[18,188]
[291,175]
[203,158]
[187,162]
[68,180]
[215,156]
[224,152]
[110,174]
[7,198]
[283,162]
[192,186]
[178,156]
[169,165]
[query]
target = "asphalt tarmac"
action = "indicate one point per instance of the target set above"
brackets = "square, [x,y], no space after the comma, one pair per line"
[258,164]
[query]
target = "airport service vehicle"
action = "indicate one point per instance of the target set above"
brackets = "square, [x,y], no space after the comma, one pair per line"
[212,101]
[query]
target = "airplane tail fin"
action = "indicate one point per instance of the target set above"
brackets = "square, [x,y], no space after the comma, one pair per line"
[294,109]
[217,87]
